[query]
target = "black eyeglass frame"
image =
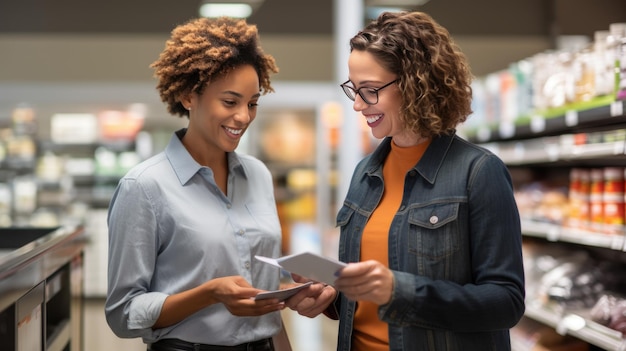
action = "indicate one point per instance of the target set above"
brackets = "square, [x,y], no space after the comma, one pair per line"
[349,91]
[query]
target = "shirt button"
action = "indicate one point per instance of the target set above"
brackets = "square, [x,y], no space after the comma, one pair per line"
[247,264]
[240,231]
[229,206]
[434,220]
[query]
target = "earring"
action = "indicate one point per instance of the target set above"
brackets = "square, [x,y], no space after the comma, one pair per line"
[188,108]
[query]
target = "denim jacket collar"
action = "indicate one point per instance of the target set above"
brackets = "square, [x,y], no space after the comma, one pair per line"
[427,167]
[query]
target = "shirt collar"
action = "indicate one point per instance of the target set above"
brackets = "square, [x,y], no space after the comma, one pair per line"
[186,167]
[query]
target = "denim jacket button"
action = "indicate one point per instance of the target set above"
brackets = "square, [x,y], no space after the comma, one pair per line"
[434,220]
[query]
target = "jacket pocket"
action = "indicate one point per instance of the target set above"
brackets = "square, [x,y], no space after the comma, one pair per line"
[434,232]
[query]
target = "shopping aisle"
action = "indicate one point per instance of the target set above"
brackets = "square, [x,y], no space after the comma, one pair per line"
[305,334]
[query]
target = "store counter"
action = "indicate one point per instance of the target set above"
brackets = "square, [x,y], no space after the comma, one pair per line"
[41,278]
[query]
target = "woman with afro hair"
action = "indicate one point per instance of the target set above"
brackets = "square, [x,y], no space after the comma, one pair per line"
[185,224]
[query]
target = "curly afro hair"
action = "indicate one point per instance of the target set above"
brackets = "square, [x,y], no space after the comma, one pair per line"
[202,49]
[434,76]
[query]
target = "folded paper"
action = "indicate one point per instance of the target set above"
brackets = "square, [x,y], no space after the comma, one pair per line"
[309,265]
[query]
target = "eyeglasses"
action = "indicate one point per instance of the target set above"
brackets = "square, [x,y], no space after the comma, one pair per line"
[369,95]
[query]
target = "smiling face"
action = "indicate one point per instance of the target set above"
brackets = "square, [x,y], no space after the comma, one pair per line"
[219,116]
[383,118]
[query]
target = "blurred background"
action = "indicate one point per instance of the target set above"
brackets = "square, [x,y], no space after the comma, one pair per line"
[78,107]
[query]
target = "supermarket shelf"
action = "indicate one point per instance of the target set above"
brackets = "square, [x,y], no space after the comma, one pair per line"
[603,111]
[568,323]
[553,141]
[576,325]
[556,232]
[551,149]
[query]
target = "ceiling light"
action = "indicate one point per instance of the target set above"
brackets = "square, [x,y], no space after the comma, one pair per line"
[237,10]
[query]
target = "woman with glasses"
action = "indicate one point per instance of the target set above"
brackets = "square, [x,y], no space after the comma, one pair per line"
[429,225]
[185,225]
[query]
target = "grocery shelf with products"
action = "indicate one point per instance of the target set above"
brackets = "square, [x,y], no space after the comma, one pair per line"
[53,174]
[558,120]
[94,168]
[62,169]
[552,216]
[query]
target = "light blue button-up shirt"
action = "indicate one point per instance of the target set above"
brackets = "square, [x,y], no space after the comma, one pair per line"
[172,229]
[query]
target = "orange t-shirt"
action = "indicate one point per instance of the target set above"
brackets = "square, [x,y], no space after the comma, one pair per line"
[370,333]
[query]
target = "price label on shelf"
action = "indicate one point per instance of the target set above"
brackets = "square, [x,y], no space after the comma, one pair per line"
[553,151]
[571,118]
[506,129]
[617,243]
[483,134]
[570,322]
[537,124]
[617,109]
[553,233]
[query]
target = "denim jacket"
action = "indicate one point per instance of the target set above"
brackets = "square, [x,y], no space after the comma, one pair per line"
[454,249]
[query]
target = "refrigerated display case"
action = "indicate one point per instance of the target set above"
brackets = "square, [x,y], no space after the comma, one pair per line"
[41,294]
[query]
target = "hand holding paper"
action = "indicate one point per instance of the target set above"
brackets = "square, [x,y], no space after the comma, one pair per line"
[307,264]
[281,295]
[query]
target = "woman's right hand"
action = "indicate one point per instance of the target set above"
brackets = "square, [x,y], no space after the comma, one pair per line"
[234,292]
[238,297]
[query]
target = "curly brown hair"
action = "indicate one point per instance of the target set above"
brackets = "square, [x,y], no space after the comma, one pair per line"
[434,76]
[203,49]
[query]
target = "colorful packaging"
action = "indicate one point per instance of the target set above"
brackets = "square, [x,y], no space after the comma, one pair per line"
[613,200]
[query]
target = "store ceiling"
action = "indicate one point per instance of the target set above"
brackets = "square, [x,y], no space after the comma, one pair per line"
[506,19]
[314,17]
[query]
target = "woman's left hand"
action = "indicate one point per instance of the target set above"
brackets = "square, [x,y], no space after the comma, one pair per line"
[312,300]
[366,281]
